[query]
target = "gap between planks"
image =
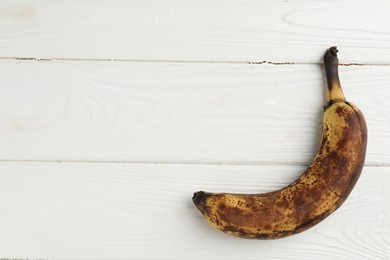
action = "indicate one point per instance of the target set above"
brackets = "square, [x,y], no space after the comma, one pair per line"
[187,61]
[373,165]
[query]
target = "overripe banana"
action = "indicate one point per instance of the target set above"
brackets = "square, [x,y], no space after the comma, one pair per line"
[318,192]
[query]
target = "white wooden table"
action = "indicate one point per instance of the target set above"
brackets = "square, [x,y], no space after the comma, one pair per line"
[112,113]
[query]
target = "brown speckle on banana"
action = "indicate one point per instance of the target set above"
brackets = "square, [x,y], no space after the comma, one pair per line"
[318,192]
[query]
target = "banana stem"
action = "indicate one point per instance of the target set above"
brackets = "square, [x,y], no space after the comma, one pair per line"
[331,63]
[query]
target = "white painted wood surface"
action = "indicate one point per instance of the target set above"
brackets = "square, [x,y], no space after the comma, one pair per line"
[144,211]
[218,30]
[140,103]
[189,113]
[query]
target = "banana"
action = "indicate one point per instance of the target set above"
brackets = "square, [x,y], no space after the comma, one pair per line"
[317,193]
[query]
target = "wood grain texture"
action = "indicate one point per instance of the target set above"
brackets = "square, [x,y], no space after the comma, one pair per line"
[218,30]
[188,113]
[135,211]
[190,100]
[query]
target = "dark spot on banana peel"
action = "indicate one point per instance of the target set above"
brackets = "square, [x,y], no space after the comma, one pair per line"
[340,111]
[283,203]
[354,178]
[266,236]
[311,222]
[299,205]
[235,231]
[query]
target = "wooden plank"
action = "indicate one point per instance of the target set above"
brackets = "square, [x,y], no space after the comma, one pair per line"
[188,113]
[144,211]
[219,30]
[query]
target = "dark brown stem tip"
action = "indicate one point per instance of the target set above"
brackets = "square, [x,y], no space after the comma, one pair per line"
[331,55]
[333,50]
[199,199]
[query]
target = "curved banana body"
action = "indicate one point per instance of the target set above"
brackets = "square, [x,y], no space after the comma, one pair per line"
[318,192]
